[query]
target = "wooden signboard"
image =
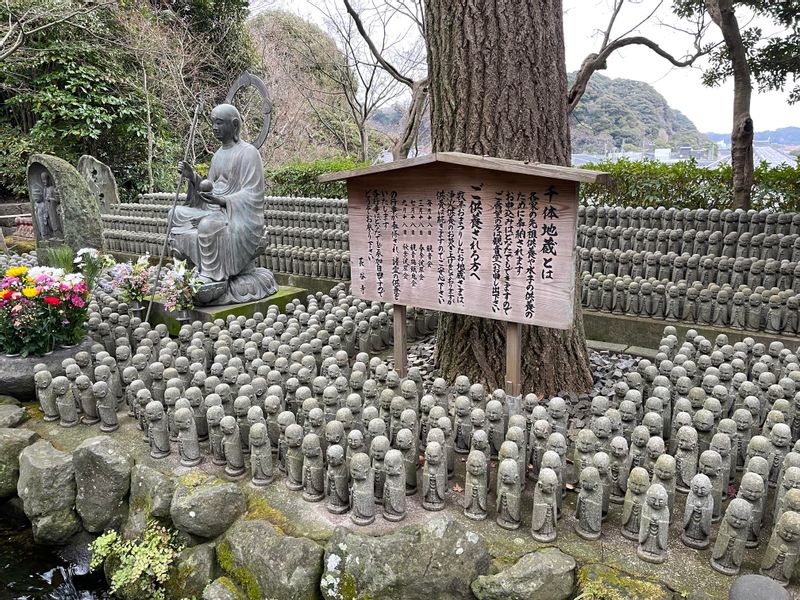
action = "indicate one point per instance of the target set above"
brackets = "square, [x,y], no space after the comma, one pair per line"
[467,234]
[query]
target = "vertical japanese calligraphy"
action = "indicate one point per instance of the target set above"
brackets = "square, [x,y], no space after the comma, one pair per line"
[470,241]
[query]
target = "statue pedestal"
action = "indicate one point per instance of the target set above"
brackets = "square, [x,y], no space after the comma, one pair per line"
[283,296]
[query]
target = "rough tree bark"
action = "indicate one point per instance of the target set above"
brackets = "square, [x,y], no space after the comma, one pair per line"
[498,86]
[723,15]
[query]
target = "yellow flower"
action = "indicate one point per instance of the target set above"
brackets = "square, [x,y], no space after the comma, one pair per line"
[30,292]
[16,271]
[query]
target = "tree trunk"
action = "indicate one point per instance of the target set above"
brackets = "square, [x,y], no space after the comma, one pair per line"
[723,15]
[364,141]
[498,86]
[419,98]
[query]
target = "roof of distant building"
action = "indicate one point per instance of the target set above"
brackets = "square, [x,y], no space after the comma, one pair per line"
[768,154]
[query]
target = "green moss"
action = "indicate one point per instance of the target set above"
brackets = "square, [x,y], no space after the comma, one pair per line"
[600,582]
[195,479]
[259,509]
[232,587]
[243,576]
[347,586]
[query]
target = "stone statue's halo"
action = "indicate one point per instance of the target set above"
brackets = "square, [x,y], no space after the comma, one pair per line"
[247,79]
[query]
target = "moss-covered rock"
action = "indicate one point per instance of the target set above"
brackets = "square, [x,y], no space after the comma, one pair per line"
[601,582]
[205,506]
[222,589]
[548,574]
[268,564]
[438,559]
[81,224]
[103,478]
[193,571]
[46,486]
[150,496]
[12,441]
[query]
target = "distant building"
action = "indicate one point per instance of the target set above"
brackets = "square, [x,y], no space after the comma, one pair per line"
[774,157]
[662,154]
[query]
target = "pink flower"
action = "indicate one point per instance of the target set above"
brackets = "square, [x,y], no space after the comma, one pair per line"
[77,301]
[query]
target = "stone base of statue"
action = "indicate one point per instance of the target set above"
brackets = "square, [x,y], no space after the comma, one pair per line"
[251,285]
[208,313]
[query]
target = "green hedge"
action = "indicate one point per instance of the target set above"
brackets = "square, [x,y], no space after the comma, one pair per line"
[687,185]
[300,178]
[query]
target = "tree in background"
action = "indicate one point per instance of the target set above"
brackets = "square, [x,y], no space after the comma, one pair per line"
[748,53]
[498,86]
[117,81]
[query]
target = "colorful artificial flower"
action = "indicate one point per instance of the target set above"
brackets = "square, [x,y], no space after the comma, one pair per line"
[52,300]
[30,292]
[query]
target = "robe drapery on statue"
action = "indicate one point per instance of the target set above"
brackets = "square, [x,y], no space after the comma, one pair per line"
[223,242]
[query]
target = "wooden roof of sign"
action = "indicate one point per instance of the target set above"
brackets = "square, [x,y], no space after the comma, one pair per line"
[481,162]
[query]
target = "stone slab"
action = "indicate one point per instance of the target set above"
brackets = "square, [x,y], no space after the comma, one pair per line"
[637,331]
[312,284]
[284,295]
[607,346]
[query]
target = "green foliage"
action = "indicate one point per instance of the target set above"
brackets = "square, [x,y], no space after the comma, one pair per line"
[300,178]
[61,257]
[686,185]
[771,41]
[142,567]
[613,111]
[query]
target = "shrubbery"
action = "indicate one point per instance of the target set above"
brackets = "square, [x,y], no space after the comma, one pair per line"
[300,178]
[687,185]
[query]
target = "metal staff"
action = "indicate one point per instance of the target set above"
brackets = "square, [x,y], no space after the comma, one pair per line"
[189,146]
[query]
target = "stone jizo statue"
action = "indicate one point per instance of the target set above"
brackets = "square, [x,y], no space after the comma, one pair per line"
[220,229]
[728,552]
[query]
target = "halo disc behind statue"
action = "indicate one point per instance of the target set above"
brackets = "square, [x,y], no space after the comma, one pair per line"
[247,79]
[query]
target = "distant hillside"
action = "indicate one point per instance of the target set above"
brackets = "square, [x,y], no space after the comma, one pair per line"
[785,136]
[614,112]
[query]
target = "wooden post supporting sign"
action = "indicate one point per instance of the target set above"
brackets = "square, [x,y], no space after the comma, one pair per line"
[400,355]
[513,358]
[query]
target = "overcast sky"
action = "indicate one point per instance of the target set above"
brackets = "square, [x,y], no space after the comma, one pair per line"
[709,108]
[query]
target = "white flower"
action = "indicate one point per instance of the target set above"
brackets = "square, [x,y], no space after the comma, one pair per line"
[179,266]
[73,278]
[51,272]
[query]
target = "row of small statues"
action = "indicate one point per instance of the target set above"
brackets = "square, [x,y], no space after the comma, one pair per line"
[308,237]
[768,310]
[679,241]
[695,268]
[336,206]
[725,220]
[646,477]
[386,400]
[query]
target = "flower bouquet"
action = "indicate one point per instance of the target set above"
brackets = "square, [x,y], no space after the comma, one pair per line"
[134,280]
[39,308]
[178,287]
[92,264]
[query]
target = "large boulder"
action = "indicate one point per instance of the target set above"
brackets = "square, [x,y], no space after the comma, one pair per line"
[47,488]
[12,415]
[151,496]
[438,559]
[103,478]
[206,506]
[548,574]
[193,570]
[601,581]
[268,564]
[12,441]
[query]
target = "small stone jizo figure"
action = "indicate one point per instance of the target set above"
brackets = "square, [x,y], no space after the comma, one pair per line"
[728,551]
[509,489]
[698,514]
[545,507]
[784,546]
[654,525]
[434,477]
[337,481]
[188,446]
[232,447]
[157,433]
[476,486]
[362,490]
[260,456]
[589,507]
[313,469]
[394,487]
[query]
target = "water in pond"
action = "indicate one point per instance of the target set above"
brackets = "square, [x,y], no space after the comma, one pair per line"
[32,572]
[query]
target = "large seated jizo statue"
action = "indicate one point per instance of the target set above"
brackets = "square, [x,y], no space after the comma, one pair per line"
[221,227]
